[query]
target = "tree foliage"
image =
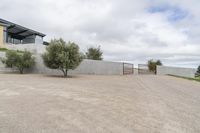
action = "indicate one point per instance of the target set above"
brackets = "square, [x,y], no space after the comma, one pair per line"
[198,71]
[152,64]
[61,55]
[19,60]
[94,53]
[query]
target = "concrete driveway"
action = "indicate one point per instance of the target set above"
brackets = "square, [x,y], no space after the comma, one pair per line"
[98,104]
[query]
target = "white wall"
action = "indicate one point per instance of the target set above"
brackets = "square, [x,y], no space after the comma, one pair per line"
[34,48]
[86,67]
[177,71]
[99,68]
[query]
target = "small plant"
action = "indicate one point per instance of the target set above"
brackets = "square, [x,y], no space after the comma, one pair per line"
[19,60]
[61,55]
[3,49]
[198,72]
[94,53]
[152,65]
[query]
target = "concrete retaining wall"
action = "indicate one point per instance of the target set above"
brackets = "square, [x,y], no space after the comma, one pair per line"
[177,71]
[34,48]
[86,67]
[99,68]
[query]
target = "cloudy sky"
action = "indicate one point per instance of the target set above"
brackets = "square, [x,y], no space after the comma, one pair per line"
[127,30]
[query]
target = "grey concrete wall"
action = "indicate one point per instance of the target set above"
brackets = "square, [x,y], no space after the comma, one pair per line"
[34,48]
[99,68]
[177,71]
[86,67]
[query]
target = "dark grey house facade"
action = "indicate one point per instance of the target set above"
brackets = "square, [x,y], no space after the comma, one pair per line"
[17,34]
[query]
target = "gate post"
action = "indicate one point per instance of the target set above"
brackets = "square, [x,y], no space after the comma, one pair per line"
[132,68]
[123,68]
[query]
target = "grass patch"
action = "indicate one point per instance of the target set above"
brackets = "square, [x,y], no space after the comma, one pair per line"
[198,78]
[195,79]
[19,51]
[3,49]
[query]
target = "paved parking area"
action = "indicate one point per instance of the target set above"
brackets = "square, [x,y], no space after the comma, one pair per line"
[98,104]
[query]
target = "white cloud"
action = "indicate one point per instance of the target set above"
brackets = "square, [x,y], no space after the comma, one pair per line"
[126,30]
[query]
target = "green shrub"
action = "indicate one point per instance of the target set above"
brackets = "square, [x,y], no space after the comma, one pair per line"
[152,65]
[19,60]
[198,78]
[3,49]
[198,72]
[61,55]
[94,53]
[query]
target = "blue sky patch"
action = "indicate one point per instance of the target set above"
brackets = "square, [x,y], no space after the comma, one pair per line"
[173,13]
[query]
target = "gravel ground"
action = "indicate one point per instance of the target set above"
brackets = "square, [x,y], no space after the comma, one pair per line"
[98,104]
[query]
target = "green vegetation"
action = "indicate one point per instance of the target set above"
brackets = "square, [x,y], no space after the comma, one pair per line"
[3,49]
[61,55]
[94,53]
[198,69]
[19,60]
[198,72]
[195,79]
[152,65]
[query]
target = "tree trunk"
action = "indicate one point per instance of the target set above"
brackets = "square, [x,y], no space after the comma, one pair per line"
[21,70]
[64,72]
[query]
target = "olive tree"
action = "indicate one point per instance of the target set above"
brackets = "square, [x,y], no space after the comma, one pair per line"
[152,65]
[94,53]
[20,60]
[61,55]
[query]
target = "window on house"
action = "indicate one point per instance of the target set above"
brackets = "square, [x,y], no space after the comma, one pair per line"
[4,35]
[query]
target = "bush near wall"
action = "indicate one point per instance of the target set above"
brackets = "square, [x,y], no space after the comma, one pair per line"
[62,56]
[18,59]
[3,49]
[198,72]
[152,65]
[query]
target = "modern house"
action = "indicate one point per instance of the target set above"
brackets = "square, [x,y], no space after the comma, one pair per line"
[14,34]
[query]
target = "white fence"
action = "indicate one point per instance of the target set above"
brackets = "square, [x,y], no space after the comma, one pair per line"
[177,71]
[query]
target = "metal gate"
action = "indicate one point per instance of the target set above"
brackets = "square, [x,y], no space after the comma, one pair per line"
[144,69]
[128,68]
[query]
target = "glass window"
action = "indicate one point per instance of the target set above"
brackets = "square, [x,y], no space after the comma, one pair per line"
[4,35]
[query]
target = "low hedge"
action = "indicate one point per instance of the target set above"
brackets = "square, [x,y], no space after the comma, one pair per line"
[3,49]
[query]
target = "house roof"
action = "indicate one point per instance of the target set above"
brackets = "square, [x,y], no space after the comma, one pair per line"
[2,24]
[19,31]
